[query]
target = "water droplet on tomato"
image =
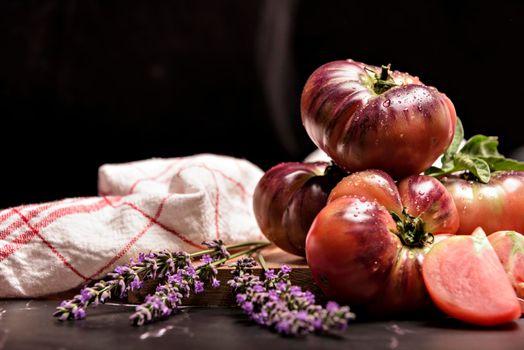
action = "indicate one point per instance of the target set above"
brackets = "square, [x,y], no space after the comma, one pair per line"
[386,103]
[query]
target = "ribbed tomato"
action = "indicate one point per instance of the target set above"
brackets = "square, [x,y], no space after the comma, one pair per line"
[366,247]
[287,199]
[367,118]
[495,206]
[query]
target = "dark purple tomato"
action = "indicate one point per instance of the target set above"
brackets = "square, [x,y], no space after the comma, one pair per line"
[367,118]
[287,199]
[367,245]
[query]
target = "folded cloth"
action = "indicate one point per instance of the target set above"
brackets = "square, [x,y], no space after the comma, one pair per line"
[142,206]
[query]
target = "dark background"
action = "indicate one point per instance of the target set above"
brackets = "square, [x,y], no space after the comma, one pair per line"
[83,83]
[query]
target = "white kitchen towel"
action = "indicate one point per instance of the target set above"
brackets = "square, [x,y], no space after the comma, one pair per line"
[142,206]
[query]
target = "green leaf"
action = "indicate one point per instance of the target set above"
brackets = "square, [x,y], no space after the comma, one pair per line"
[482,146]
[479,156]
[504,164]
[478,167]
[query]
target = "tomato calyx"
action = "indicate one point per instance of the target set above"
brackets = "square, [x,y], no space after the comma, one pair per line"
[411,230]
[333,171]
[383,81]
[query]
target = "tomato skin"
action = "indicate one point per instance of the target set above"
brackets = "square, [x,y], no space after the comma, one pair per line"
[354,248]
[495,206]
[401,131]
[288,197]
[350,232]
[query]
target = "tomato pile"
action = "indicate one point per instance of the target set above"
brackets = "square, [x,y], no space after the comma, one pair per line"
[380,227]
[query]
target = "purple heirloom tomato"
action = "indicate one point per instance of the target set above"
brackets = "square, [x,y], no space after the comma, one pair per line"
[367,245]
[367,118]
[287,199]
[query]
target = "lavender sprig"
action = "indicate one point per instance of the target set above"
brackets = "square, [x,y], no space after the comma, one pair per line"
[275,303]
[175,271]
[122,280]
[167,297]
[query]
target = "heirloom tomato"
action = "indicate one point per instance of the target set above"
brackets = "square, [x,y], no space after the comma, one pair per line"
[367,117]
[367,245]
[488,189]
[288,197]
[466,280]
[494,206]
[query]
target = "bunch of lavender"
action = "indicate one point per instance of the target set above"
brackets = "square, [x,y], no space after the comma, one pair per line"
[177,275]
[275,303]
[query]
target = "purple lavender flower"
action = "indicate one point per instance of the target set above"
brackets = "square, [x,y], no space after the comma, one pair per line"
[285,269]
[269,274]
[79,313]
[85,295]
[247,306]
[178,278]
[279,305]
[177,285]
[220,250]
[199,287]
[136,283]
[206,259]
[120,281]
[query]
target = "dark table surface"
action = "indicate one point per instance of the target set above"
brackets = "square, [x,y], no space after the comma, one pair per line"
[27,324]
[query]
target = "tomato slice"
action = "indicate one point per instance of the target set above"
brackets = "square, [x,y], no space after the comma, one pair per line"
[509,246]
[466,280]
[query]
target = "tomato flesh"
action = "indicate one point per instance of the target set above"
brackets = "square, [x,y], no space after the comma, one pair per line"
[466,280]
[509,246]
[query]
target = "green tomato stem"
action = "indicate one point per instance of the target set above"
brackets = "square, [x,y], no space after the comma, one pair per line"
[384,73]
[384,81]
[411,230]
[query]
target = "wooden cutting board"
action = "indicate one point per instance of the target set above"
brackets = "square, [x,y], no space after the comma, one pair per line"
[223,296]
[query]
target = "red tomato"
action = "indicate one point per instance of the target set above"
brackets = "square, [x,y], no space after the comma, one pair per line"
[509,246]
[495,206]
[287,199]
[467,281]
[367,119]
[366,247]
